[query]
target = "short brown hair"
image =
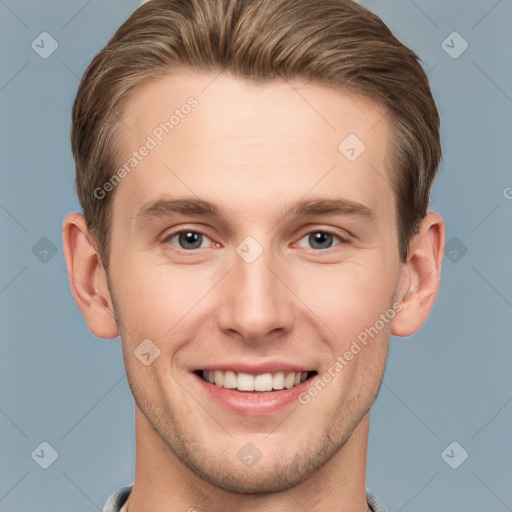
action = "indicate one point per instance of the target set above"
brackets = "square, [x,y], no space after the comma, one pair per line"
[333,42]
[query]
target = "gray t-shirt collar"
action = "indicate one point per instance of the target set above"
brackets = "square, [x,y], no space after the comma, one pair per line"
[119,497]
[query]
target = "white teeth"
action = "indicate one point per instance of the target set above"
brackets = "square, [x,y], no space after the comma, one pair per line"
[289,380]
[278,380]
[247,382]
[229,380]
[263,382]
[219,378]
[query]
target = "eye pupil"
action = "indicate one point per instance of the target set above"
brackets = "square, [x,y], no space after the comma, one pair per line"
[321,238]
[190,237]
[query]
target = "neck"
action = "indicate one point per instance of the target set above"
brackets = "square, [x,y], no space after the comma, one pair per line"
[162,482]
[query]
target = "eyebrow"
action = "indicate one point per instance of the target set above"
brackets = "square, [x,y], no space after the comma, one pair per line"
[193,206]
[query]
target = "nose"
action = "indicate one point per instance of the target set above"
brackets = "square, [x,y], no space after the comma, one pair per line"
[255,303]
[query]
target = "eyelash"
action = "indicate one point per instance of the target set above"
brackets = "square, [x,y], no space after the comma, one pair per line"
[200,232]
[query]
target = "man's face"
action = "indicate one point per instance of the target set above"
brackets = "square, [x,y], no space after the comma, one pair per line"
[261,288]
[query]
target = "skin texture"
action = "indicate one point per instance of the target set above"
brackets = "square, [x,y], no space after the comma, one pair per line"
[254,150]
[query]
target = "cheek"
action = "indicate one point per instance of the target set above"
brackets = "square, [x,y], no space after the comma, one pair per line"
[348,297]
[153,299]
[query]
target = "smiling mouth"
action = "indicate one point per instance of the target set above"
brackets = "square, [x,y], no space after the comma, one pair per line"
[246,382]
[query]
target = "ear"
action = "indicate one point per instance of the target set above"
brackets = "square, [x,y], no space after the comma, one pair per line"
[420,277]
[87,277]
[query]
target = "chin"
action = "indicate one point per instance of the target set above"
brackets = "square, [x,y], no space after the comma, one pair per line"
[263,480]
[273,472]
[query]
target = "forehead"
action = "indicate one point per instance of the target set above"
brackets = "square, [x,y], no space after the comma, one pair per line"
[213,134]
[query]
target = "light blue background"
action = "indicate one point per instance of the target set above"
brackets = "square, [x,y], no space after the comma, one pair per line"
[450,382]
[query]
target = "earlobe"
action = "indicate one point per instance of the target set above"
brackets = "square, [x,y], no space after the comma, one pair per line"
[420,276]
[87,277]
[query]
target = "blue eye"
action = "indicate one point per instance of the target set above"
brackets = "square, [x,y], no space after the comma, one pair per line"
[188,239]
[320,239]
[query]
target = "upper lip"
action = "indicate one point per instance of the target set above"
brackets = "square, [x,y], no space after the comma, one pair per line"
[255,369]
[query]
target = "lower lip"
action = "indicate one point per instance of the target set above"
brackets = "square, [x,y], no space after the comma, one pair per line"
[256,403]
